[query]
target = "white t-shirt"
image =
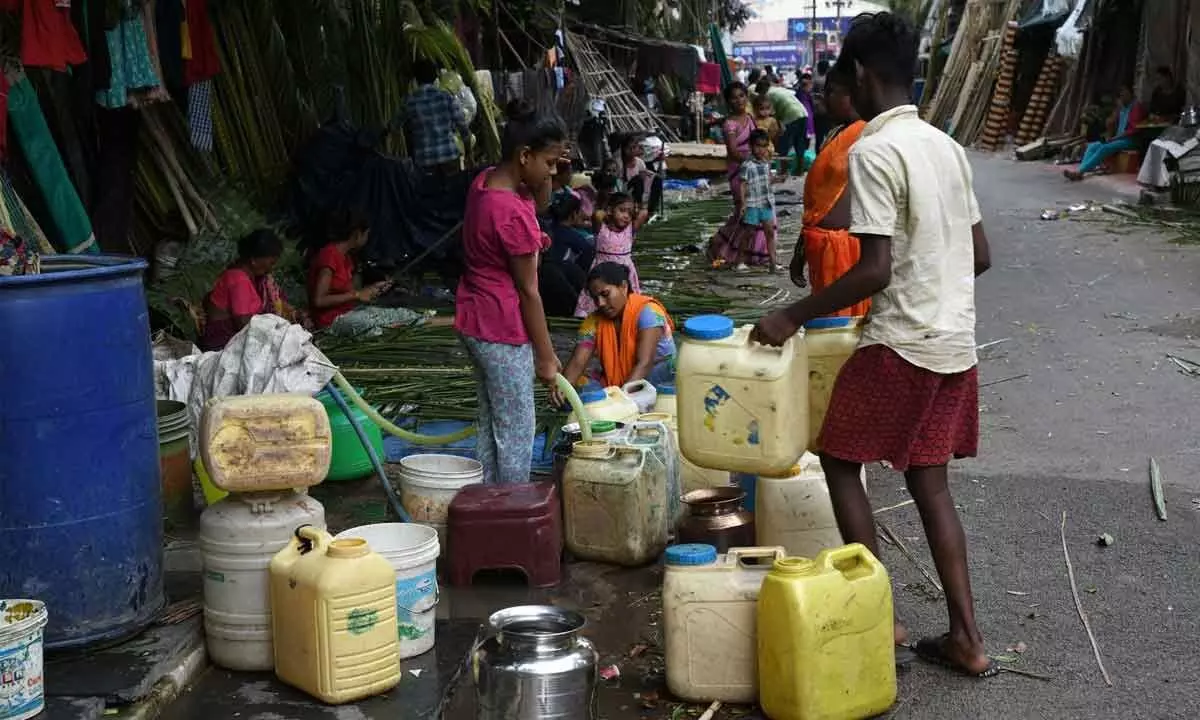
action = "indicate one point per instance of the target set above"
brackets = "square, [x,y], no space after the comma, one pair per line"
[911,182]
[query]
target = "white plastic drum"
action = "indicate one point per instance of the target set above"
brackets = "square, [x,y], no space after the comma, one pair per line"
[428,484]
[413,551]
[22,690]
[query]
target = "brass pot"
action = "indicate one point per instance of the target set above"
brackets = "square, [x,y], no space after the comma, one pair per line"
[715,517]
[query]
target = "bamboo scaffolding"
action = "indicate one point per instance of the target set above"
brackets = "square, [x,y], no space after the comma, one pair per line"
[626,112]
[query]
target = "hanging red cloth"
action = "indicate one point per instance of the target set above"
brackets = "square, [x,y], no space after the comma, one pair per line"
[708,79]
[204,63]
[48,38]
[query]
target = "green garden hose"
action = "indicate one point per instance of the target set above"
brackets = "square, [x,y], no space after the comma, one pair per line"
[392,429]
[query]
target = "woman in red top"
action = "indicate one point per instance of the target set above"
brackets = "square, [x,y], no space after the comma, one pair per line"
[244,290]
[499,313]
[331,292]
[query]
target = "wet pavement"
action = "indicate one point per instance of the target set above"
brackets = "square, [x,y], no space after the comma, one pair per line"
[1076,398]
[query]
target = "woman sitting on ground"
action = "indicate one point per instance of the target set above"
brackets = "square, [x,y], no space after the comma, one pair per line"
[630,333]
[245,289]
[332,298]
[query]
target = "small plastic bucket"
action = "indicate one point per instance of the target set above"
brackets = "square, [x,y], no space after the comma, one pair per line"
[22,691]
[413,552]
[429,482]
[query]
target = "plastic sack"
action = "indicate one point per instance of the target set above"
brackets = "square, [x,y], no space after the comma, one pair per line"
[452,83]
[1068,39]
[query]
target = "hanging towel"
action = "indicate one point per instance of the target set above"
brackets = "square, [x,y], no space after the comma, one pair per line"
[203,63]
[158,92]
[74,230]
[200,115]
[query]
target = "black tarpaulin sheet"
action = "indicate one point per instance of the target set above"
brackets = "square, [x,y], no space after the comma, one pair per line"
[410,211]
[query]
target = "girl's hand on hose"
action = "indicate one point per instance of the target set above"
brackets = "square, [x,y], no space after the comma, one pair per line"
[557,399]
[547,370]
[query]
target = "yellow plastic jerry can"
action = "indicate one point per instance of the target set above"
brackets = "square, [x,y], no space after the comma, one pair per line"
[333,617]
[826,637]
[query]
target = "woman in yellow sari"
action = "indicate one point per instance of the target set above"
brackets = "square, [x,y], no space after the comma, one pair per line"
[826,245]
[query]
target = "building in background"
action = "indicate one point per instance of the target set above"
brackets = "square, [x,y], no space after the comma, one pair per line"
[790,34]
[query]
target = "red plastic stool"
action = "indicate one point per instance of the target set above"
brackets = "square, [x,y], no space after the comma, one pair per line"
[517,526]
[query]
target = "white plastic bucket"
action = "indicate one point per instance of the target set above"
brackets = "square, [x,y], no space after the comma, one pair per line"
[412,550]
[22,691]
[429,482]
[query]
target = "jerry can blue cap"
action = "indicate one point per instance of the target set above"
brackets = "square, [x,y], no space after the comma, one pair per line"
[708,327]
[691,554]
[831,323]
[665,389]
[593,395]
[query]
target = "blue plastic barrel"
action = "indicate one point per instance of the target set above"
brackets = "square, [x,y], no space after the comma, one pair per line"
[80,502]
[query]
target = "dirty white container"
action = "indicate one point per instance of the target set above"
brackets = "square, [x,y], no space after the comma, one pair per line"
[743,407]
[830,342]
[413,551]
[22,684]
[254,443]
[653,431]
[642,393]
[428,484]
[793,510]
[611,403]
[333,613]
[614,504]
[691,476]
[238,537]
[709,619]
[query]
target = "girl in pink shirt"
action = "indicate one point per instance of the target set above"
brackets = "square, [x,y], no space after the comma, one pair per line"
[498,312]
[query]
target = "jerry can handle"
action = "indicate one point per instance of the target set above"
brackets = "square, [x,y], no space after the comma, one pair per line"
[735,555]
[312,538]
[634,385]
[849,560]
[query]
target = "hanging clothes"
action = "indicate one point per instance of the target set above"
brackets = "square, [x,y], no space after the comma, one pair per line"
[132,66]
[156,93]
[202,63]
[48,38]
[74,230]
[3,115]
[168,24]
[88,18]
[200,121]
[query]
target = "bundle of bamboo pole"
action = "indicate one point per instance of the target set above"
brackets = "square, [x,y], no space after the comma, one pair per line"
[1034,119]
[626,112]
[965,91]
[996,126]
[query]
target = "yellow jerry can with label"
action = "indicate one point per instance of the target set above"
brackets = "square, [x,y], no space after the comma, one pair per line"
[333,617]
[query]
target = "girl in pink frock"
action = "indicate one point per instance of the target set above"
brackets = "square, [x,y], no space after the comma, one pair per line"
[614,243]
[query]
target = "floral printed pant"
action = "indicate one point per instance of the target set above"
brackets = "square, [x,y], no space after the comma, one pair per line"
[507,424]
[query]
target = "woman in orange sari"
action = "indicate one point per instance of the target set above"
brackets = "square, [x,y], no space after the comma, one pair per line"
[631,334]
[826,245]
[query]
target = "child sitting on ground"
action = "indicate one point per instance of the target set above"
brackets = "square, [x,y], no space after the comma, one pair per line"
[764,118]
[758,200]
[614,243]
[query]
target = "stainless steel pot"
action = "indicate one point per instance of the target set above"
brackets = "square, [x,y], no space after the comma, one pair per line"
[535,666]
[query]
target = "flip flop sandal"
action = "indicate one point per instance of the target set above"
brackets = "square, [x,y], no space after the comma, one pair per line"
[904,656]
[930,650]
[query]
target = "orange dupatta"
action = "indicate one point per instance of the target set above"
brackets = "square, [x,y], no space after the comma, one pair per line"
[618,352]
[830,252]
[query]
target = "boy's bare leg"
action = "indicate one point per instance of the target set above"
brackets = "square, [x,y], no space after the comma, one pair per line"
[929,487]
[853,510]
